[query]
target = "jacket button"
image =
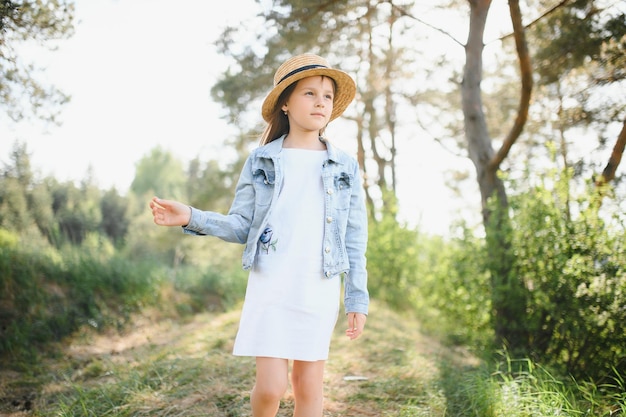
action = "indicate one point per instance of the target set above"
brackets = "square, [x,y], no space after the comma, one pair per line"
[329,219]
[329,191]
[327,274]
[327,249]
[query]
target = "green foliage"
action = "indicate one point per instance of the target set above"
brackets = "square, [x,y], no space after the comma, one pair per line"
[575,36]
[15,181]
[508,294]
[14,214]
[574,269]
[445,283]
[48,295]
[392,260]
[115,216]
[41,22]
[76,211]
[210,185]
[209,289]
[68,261]
[606,398]
[516,389]
[8,239]
[57,213]
[159,173]
[454,290]
[523,388]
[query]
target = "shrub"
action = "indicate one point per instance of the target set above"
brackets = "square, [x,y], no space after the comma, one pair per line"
[574,269]
[47,296]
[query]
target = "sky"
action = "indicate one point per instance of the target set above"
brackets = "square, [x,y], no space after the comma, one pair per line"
[139,73]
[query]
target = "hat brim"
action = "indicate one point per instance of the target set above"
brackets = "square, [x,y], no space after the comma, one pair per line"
[344,94]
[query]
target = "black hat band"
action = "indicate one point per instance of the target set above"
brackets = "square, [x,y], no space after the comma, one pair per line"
[297,70]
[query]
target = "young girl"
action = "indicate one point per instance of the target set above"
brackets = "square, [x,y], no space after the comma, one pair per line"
[299,208]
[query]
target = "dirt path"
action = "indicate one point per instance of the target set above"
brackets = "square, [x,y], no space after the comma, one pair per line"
[165,367]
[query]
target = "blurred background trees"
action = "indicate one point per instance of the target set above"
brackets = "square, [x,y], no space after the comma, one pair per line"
[23,93]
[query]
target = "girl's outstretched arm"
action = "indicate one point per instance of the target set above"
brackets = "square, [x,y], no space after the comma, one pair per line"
[169,212]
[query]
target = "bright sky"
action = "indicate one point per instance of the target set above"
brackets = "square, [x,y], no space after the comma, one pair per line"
[139,73]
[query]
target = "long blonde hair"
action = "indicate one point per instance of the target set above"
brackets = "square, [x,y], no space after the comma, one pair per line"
[278,125]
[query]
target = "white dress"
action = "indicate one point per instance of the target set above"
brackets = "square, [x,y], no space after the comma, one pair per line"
[291,308]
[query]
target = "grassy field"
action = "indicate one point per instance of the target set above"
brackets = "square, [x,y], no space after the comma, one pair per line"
[169,367]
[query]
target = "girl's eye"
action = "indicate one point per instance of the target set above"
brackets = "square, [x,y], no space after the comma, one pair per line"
[329,97]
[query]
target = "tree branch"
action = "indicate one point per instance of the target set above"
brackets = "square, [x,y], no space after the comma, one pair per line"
[527,85]
[608,174]
[402,12]
[544,14]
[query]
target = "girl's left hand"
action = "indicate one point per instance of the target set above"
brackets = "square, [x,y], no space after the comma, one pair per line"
[356,323]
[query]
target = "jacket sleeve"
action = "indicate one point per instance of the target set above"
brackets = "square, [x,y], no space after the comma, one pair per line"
[231,227]
[356,297]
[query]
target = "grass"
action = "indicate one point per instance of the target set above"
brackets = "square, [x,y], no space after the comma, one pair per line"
[183,367]
[167,367]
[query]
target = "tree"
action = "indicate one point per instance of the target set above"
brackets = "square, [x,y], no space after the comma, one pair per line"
[115,216]
[569,35]
[40,21]
[508,293]
[159,173]
[76,210]
[585,44]
[210,185]
[15,185]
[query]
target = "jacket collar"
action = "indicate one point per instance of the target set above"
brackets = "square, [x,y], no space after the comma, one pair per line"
[274,148]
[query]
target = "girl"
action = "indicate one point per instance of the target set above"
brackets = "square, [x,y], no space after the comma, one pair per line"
[299,208]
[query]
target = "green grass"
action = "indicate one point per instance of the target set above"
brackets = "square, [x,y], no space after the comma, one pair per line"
[164,366]
[45,297]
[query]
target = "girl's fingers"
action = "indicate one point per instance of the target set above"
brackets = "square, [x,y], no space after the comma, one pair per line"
[355,326]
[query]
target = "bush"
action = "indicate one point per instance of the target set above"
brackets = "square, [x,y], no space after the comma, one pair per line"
[574,269]
[455,295]
[442,281]
[209,289]
[392,263]
[47,296]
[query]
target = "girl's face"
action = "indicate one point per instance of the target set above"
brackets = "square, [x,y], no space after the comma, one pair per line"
[310,104]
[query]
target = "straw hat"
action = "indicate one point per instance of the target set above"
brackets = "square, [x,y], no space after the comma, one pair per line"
[307,65]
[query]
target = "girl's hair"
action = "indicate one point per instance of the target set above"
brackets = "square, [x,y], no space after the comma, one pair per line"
[279,122]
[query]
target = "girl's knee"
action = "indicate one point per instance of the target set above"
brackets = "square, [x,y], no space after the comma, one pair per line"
[267,392]
[271,379]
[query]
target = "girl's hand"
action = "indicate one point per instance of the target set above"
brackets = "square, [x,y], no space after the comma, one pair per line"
[169,212]
[356,323]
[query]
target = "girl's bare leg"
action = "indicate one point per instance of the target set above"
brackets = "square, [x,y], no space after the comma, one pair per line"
[270,386]
[307,379]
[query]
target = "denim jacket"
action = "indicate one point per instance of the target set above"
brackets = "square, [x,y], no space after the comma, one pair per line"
[345,225]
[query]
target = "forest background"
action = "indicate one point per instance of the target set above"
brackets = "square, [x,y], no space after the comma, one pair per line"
[536,270]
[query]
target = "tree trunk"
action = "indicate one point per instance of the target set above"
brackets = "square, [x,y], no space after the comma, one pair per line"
[479,143]
[508,293]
